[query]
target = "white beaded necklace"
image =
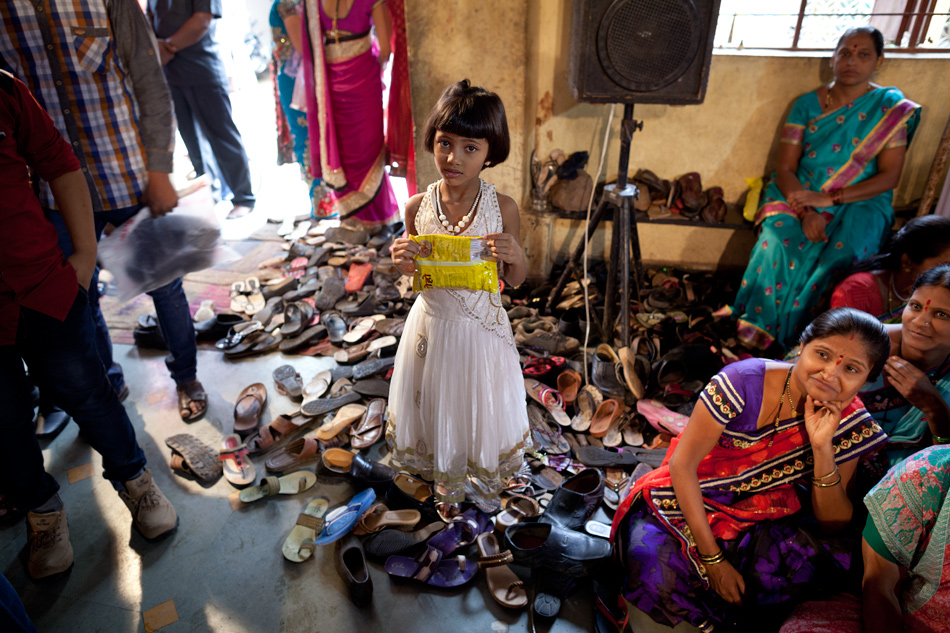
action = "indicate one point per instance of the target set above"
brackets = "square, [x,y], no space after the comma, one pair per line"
[455,228]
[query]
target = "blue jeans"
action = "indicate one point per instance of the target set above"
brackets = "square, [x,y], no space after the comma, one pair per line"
[13,617]
[63,361]
[171,307]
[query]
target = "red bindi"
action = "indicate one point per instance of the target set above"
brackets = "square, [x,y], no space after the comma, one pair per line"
[926,305]
[839,360]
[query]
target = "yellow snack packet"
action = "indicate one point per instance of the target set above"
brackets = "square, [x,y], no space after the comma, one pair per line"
[452,261]
[752,199]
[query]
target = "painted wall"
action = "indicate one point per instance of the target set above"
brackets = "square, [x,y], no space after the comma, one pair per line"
[733,134]
[481,41]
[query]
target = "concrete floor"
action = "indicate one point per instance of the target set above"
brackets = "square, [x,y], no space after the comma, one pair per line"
[222,570]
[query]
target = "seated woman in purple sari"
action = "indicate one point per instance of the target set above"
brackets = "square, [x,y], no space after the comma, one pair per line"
[717,536]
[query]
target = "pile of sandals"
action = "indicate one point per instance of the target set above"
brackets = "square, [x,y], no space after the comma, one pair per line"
[601,415]
[683,196]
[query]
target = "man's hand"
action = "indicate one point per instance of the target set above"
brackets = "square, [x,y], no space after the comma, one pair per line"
[166,51]
[160,195]
[84,264]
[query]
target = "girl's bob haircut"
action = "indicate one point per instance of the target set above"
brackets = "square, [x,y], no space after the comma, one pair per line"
[471,112]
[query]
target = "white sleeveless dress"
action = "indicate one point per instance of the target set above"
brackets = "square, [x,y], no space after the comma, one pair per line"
[456,399]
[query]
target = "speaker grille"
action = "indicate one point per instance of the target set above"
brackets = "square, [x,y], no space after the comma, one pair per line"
[644,45]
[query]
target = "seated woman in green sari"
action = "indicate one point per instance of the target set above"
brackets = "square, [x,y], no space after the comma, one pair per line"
[909,400]
[829,204]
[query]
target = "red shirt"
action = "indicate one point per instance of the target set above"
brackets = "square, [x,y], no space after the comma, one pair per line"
[861,292]
[33,272]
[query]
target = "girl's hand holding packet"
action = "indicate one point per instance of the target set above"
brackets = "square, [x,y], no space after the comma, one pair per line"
[449,261]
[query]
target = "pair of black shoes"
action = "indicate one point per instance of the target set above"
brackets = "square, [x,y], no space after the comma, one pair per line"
[555,542]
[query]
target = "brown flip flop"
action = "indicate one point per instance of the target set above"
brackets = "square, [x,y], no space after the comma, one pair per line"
[370,427]
[607,412]
[568,383]
[344,417]
[248,408]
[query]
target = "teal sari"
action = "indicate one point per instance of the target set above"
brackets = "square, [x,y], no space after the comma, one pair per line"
[293,144]
[787,273]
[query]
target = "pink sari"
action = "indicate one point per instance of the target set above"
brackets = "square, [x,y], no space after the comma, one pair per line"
[345,114]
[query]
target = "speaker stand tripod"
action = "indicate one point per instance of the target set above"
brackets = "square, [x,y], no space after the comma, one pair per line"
[625,242]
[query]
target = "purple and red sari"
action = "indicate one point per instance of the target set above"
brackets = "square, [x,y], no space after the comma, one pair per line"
[750,483]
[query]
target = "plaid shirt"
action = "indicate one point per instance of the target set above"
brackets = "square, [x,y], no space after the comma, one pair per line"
[79,58]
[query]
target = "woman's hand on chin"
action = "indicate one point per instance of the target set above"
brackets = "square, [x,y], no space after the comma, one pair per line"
[726,581]
[822,418]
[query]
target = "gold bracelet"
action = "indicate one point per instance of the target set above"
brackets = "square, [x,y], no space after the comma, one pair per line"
[712,559]
[940,440]
[828,476]
[824,485]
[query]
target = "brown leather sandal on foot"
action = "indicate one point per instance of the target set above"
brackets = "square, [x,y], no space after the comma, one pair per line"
[190,392]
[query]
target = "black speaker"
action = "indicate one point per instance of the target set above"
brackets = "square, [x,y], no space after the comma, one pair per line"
[641,51]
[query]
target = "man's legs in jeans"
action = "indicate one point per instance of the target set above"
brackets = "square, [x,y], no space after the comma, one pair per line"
[63,360]
[171,307]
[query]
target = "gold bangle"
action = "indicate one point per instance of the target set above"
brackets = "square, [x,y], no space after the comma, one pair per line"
[940,440]
[824,485]
[828,476]
[712,559]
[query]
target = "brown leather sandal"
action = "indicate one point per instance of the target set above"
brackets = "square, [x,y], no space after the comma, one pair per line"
[505,587]
[248,408]
[189,392]
[270,436]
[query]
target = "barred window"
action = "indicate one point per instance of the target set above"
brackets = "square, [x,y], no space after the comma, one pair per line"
[815,25]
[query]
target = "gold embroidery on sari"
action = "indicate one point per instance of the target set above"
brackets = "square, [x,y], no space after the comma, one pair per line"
[334,178]
[344,51]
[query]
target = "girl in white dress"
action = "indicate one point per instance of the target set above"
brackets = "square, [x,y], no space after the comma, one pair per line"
[456,399]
